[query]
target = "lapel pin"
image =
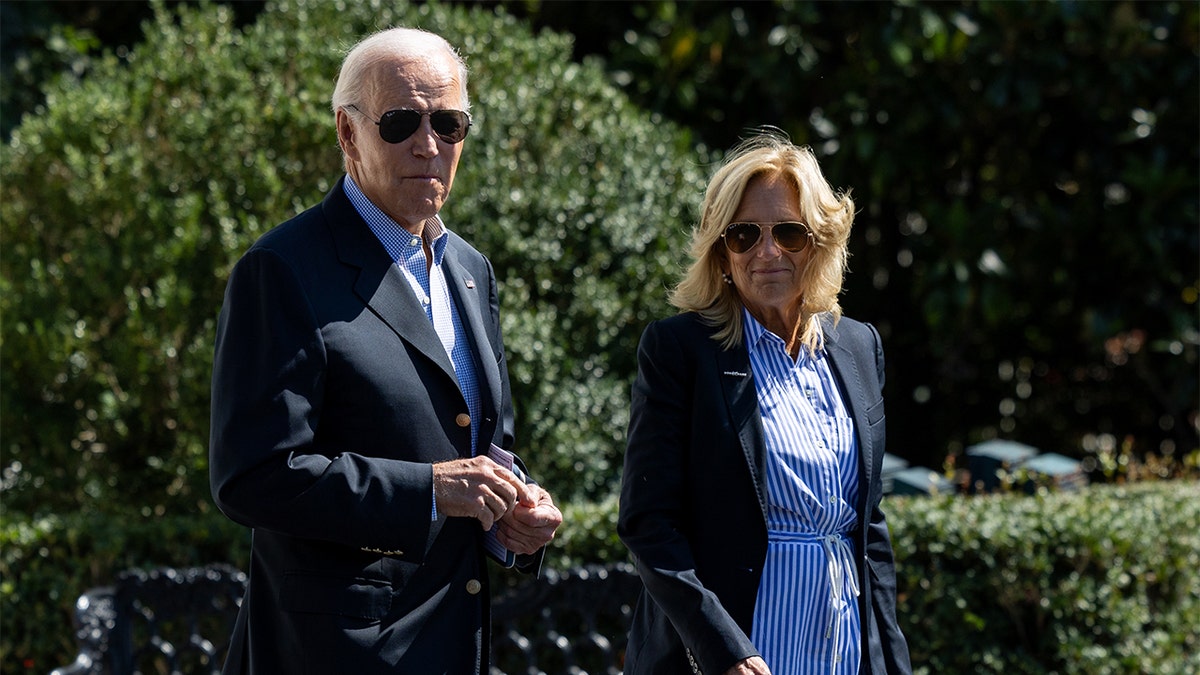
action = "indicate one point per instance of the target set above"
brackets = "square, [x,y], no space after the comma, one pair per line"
[734,373]
[470,283]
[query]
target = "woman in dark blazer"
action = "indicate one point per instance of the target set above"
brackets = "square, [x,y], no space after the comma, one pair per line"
[751,489]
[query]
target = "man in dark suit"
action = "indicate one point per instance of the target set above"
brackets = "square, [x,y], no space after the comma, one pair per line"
[359,383]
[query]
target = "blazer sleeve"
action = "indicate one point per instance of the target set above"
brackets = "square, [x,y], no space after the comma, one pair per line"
[881,564]
[654,513]
[267,471]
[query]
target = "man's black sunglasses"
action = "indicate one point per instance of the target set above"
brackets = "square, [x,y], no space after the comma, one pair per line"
[396,125]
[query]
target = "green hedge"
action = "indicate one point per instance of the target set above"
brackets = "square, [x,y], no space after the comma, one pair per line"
[127,197]
[1100,582]
[47,562]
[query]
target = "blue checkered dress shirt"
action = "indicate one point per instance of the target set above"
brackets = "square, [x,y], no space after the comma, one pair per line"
[430,288]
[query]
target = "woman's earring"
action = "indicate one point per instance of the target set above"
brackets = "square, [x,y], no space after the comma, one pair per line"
[728,279]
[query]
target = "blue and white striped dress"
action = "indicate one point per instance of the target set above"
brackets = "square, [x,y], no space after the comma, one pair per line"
[806,617]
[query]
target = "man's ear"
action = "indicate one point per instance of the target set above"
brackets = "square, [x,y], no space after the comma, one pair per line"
[347,135]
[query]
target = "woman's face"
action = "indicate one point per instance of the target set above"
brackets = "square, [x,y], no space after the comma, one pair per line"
[767,277]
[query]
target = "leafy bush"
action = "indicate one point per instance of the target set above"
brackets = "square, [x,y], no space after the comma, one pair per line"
[1028,242]
[124,202]
[47,562]
[127,198]
[1098,582]
[1104,581]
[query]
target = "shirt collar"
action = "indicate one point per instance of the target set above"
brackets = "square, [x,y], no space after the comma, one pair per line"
[399,243]
[759,338]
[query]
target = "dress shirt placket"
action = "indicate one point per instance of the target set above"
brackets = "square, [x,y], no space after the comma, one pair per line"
[429,285]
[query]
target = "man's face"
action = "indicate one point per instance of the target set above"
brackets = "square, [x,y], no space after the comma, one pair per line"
[409,180]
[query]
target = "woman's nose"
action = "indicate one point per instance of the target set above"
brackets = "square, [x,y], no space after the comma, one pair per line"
[769,249]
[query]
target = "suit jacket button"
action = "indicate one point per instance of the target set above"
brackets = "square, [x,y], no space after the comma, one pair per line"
[473,587]
[463,420]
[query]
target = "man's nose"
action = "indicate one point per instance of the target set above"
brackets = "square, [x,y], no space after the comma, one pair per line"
[425,141]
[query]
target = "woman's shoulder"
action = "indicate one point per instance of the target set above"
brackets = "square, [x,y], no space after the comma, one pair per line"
[844,324]
[686,330]
[850,332]
[684,324]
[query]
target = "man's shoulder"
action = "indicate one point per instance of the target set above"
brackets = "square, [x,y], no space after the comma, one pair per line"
[456,241]
[310,225]
[464,252]
[298,225]
[293,242]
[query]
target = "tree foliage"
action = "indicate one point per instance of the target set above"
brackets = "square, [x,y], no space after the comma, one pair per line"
[129,194]
[1028,238]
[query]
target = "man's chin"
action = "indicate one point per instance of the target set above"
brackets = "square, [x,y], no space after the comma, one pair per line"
[417,206]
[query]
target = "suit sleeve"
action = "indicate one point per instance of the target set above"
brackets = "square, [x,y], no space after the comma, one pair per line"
[654,516]
[881,564]
[266,469]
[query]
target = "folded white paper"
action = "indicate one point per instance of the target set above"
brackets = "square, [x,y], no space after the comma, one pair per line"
[493,546]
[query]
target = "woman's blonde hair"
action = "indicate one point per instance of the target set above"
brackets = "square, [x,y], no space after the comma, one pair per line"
[827,213]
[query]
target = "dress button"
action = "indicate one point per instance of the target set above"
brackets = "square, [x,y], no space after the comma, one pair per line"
[473,587]
[463,420]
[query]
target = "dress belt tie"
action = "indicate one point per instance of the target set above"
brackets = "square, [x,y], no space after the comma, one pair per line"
[841,568]
[839,561]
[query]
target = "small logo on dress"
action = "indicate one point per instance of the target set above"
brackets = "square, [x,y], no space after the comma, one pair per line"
[734,373]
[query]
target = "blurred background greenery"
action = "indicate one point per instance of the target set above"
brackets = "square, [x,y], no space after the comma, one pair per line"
[1027,242]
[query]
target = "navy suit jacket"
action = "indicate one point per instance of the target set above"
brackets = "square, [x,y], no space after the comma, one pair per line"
[693,499]
[332,397]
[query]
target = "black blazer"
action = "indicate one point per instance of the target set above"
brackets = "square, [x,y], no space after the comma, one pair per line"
[331,398]
[693,499]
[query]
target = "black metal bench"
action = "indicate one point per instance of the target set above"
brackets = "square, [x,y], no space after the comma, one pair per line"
[178,621]
[565,622]
[163,620]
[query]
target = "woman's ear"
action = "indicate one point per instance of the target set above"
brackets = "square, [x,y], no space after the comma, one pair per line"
[722,259]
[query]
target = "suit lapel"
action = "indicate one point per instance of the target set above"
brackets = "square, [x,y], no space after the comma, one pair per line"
[392,299]
[468,299]
[844,361]
[737,384]
[380,284]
